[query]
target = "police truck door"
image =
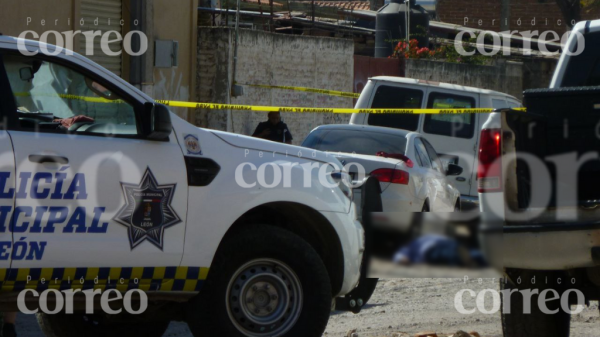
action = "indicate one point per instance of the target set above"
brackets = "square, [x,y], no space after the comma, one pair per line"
[92,190]
[7,174]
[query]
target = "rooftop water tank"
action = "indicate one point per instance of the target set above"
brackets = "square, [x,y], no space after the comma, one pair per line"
[391,26]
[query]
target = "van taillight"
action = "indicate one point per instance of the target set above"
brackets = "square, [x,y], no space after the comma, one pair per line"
[385,175]
[489,170]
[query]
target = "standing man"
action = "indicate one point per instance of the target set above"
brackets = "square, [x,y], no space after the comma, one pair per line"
[274,129]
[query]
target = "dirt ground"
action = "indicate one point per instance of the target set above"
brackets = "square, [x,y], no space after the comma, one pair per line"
[404,305]
[427,304]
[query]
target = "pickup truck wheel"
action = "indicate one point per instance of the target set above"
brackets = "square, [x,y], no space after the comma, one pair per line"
[265,281]
[77,325]
[517,323]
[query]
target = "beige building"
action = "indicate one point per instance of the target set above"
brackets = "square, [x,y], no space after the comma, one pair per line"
[165,71]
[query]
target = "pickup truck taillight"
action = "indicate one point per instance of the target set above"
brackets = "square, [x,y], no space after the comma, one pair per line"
[385,175]
[489,170]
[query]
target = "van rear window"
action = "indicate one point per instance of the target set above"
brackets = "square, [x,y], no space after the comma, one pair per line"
[452,125]
[387,97]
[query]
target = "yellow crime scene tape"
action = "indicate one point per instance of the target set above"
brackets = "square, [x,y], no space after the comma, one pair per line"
[314,90]
[71,97]
[216,106]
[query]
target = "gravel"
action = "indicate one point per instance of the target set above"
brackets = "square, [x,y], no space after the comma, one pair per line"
[403,306]
[427,304]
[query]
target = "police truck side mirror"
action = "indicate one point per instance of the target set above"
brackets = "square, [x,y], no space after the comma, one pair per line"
[160,121]
[26,74]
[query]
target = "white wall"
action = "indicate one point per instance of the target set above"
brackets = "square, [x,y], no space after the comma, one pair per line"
[272,59]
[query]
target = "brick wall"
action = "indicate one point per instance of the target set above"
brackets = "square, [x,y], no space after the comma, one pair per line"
[525,15]
[272,59]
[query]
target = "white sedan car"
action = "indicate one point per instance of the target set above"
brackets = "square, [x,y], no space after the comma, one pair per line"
[411,175]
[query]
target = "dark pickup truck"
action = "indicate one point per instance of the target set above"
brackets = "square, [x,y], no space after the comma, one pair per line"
[539,185]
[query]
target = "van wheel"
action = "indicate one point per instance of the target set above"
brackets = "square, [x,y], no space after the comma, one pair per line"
[425,206]
[264,281]
[457,206]
[77,325]
[517,323]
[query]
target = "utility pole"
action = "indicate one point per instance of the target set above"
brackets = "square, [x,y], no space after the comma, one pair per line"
[271,26]
[312,4]
[505,15]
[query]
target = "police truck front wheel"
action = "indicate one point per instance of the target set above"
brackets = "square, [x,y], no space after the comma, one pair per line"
[264,281]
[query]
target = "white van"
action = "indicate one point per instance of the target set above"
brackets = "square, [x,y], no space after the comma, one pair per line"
[454,137]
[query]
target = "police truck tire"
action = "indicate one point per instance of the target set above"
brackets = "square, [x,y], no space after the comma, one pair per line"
[517,323]
[371,203]
[77,325]
[264,281]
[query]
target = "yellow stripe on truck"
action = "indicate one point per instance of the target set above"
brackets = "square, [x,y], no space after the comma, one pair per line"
[176,278]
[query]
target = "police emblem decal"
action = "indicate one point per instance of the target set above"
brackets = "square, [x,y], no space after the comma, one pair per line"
[147,211]
[192,144]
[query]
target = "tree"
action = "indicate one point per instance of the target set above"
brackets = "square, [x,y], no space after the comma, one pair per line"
[571,9]
[590,3]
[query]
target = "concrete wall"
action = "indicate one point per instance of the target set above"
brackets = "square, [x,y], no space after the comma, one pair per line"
[163,20]
[538,73]
[504,77]
[58,15]
[272,59]
[508,77]
[176,22]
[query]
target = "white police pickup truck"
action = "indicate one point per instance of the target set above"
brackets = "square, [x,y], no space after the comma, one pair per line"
[102,188]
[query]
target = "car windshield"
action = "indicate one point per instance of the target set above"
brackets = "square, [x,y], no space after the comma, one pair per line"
[355,141]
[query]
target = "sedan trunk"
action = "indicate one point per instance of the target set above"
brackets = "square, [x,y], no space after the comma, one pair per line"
[369,163]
